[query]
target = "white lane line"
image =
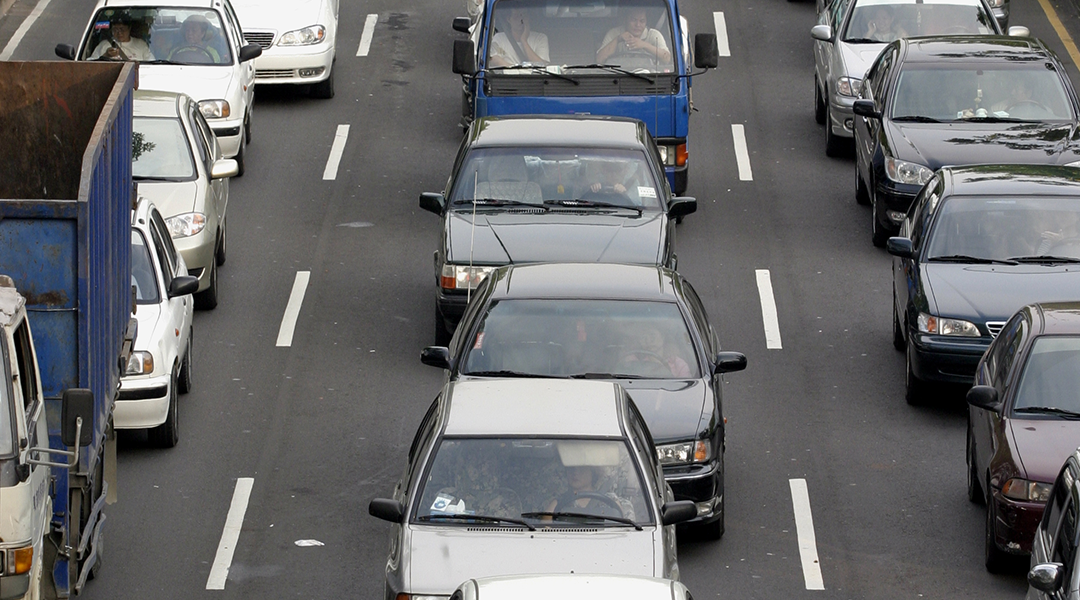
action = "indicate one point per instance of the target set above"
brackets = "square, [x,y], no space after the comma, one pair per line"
[768,310]
[219,572]
[742,155]
[804,527]
[721,34]
[342,136]
[292,310]
[365,37]
[21,31]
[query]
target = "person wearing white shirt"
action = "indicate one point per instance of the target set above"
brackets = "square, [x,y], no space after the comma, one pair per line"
[634,38]
[521,45]
[119,45]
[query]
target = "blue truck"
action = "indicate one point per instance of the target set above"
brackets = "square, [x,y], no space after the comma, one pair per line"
[625,58]
[66,325]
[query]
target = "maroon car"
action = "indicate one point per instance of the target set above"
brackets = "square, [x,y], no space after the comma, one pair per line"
[1023,422]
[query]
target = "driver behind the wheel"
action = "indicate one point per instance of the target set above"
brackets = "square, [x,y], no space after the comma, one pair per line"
[1017,93]
[634,37]
[649,355]
[615,177]
[195,46]
[119,44]
[584,495]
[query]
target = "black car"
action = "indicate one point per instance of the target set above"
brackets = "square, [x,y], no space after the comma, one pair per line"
[960,100]
[978,243]
[643,327]
[548,189]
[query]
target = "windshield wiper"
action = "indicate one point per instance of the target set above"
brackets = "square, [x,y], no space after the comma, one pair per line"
[500,202]
[604,376]
[915,119]
[482,518]
[861,41]
[537,69]
[577,515]
[502,373]
[995,119]
[592,204]
[1043,410]
[160,61]
[1045,259]
[614,69]
[964,258]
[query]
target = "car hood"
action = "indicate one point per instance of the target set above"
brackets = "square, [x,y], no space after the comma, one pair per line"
[501,238]
[1042,445]
[172,197]
[201,82]
[279,15]
[147,316]
[442,557]
[995,292]
[673,409]
[941,144]
[857,58]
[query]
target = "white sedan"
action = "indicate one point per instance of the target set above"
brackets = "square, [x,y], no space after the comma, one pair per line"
[297,38]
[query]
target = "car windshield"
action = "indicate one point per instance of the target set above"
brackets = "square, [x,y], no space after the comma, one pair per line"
[543,482]
[555,177]
[578,36]
[566,338]
[159,150]
[1034,229]
[883,21]
[187,36]
[142,271]
[1051,376]
[1026,91]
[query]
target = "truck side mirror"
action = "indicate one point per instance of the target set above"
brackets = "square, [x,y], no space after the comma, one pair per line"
[462,24]
[77,404]
[65,51]
[706,52]
[432,202]
[681,206]
[249,52]
[464,57]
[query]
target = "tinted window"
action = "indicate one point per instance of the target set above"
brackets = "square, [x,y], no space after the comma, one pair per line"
[1055,505]
[1007,353]
[1004,228]
[1051,374]
[888,20]
[949,92]
[1064,548]
[142,271]
[159,150]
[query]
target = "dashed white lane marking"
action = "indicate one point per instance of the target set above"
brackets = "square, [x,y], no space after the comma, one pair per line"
[742,155]
[721,34]
[365,37]
[219,572]
[804,527]
[21,31]
[292,310]
[342,136]
[768,310]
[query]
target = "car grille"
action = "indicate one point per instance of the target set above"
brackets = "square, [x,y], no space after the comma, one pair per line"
[994,327]
[274,73]
[262,38]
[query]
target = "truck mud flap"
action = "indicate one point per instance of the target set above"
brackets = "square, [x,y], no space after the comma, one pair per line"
[91,537]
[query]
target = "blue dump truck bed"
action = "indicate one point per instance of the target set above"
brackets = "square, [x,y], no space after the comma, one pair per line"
[65,238]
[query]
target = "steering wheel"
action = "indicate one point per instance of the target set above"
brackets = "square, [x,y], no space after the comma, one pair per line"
[604,499]
[647,355]
[607,193]
[192,54]
[1009,108]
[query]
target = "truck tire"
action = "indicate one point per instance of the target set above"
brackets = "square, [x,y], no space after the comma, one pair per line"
[207,299]
[185,380]
[167,434]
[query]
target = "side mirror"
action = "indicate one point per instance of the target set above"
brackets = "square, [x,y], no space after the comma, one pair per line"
[821,33]
[680,511]
[65,51]
[436,356]
[432,202]
[183,285]
[249,52]
[865,108]
[729,362]
[224,167]
[1046,577]
[984,396]
[76,404]
[1019,31]
[464,57]
[386,509]
[680,206]
[706,52]
[462,24]
[900,247]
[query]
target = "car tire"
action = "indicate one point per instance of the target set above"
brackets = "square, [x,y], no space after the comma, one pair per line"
[862,196]
[208,298]
[915,389]
[324,90]
[219,253]
[819,103]
[442,333]
[994,558]
[167,434]
[185,381]
[974,488]
[878,235]
[834,144]
[898,340]
[247,128]
[241,156]
[714,530]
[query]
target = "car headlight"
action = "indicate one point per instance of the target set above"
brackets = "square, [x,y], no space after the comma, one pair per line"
[303,37]
[140,363]
[902,171]
[848,86]
[943,326]
[462,277]
[1028,491]
[214,109]
[186,224]
[683,453]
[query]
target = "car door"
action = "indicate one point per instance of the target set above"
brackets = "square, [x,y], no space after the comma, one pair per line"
[178,310]
[908,294]
[867,129]
[988,427]
[659,489]
[414,467]
[217,195]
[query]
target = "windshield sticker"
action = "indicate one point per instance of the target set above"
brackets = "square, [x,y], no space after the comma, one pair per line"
[646,192]
[479,341]
[444,503]
[101,25]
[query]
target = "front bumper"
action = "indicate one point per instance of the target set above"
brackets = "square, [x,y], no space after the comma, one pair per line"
[198,251]
[1015,523]
[450,307]
[841,116]
[701,483]
[14,586]
[946,359]
[228,132]
[295,64]
[143,402]
[894,200]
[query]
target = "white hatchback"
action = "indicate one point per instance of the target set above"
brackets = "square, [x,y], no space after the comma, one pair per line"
[298,39]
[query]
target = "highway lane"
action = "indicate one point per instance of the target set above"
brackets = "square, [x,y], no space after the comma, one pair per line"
[322,425]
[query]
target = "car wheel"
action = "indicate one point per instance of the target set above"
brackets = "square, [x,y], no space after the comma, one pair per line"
[819,103]
[715,530]
[834,144]
[324,90]
[185,366]
[241,155]
[995,559]
[247,128]
[974,488]
[862,196]
[878,234]
[208,298]
[914,388]
[898,340]
[442,333]
[219,254]
[167,434]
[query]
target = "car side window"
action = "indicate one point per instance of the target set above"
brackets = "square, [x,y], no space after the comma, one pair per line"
[880,76]
[919,217]
[425,427]
[642,440]
[1008,349]
[164,247]
[1059,498]
[838,10]
[207,135]
[701,320]
[1064,548]
[200,138]
[234,25]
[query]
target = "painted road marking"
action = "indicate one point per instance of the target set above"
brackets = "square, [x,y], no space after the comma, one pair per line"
[292,310]
[1070,45]
[742,156]
[768,310]
[21,31]
[365,37]
[342,136]
[804,527]
[219,572]
[721,34]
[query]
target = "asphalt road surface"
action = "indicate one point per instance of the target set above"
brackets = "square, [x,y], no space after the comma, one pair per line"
[319,424]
